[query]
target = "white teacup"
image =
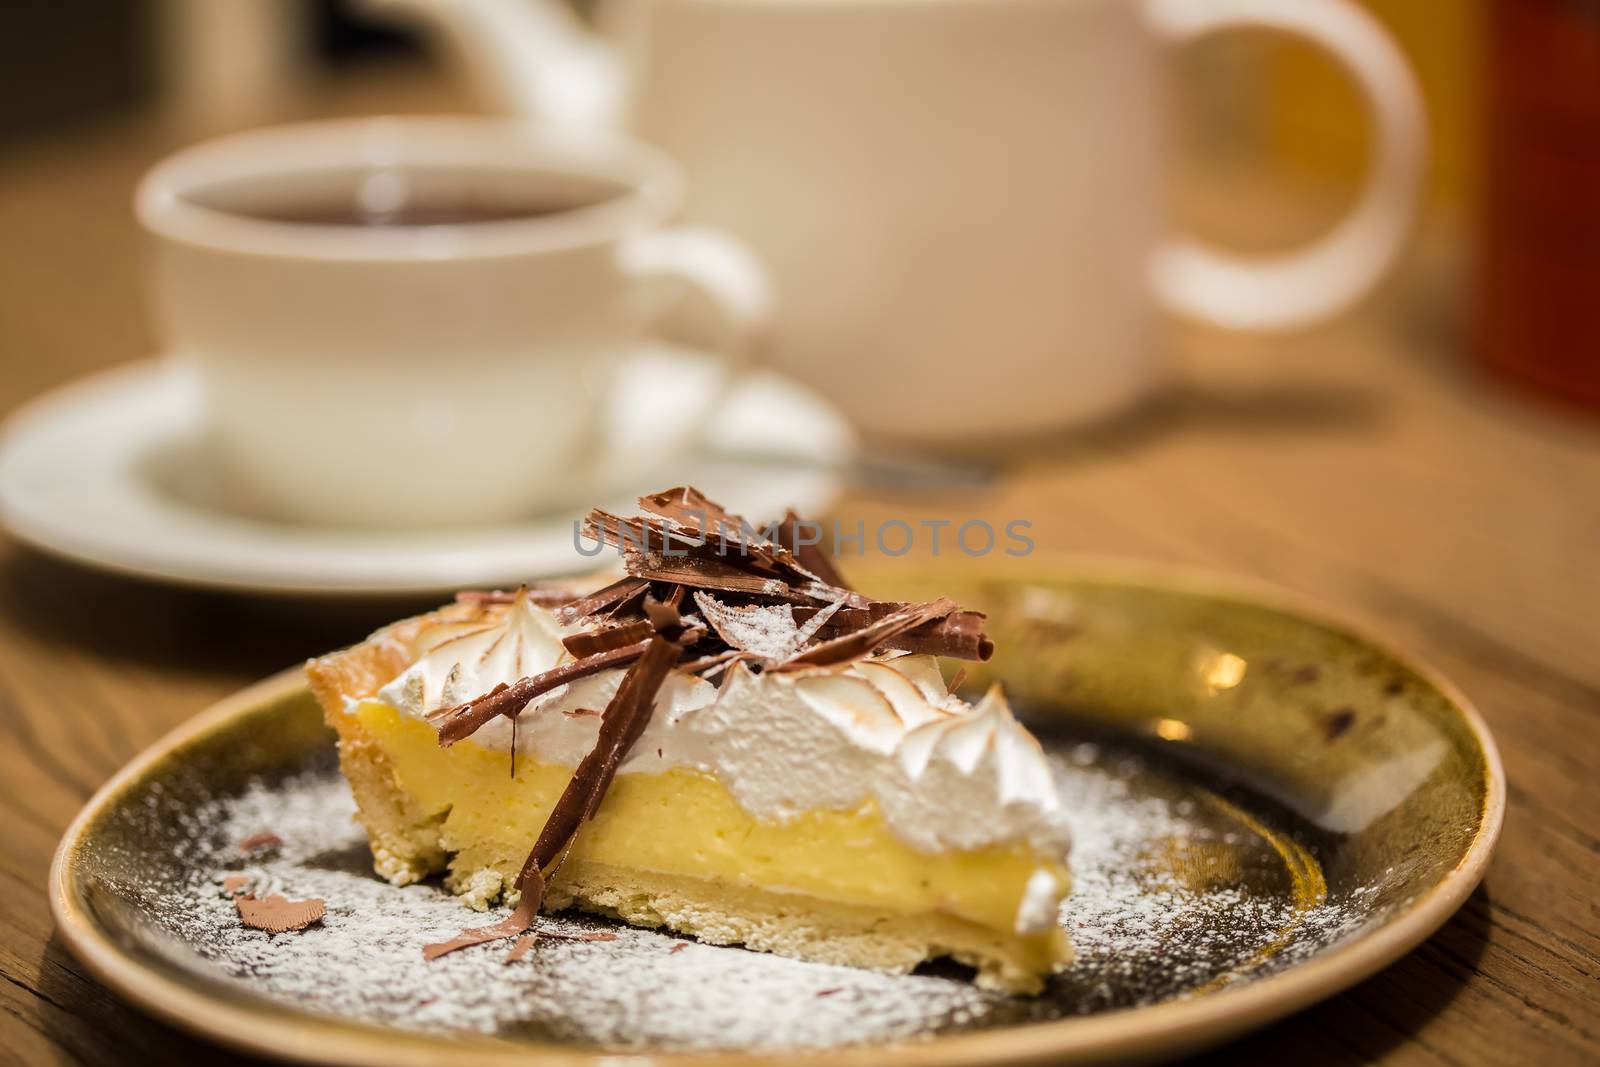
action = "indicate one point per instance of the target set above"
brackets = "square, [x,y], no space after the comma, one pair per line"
[416,322]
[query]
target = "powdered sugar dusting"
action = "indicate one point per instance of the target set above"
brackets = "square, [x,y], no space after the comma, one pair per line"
[1171,895]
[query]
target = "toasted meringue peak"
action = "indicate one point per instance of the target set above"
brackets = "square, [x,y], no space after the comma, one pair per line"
[465,658]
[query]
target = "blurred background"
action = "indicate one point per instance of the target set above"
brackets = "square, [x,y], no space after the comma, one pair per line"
[1271,121]
[1308,458]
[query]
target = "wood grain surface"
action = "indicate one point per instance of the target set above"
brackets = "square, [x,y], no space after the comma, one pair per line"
[1367,464]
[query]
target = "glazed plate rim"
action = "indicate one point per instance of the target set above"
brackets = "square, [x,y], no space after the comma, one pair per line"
[1134,1034]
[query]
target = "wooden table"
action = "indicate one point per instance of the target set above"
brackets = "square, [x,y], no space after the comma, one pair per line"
[1367,464]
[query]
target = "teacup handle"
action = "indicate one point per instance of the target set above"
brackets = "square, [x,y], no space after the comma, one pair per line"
[701,287]
[1277,292]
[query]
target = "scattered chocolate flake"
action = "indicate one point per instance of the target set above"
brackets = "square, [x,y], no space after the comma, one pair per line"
[960,676]
[260,842]
[277,914]
[830,992]
[1305,675]
[234,884]
[677,948]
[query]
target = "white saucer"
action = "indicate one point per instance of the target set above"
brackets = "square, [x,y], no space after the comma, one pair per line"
[111,472]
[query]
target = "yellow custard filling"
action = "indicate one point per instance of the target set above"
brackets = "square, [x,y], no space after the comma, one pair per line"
[684,822]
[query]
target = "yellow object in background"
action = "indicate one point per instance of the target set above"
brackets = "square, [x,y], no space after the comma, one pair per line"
[1314,119]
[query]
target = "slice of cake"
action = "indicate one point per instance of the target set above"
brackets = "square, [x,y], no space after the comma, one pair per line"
[726,742]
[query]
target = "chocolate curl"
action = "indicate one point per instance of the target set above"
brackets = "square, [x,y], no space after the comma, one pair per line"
[860,642]
[607,639]
[621,724]
[695,512]
[639,532]
[612,597]
[958,635]
[707,666]
[464,720]
[700,573]
[766,629]
[690,508]
[813,626]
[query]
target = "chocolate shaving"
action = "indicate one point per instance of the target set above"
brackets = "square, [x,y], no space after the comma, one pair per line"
[694,512]
[621,724]
[854,645]
[708,666]
[277,914]
[689,507]
[813,626]
[697,573]
[234,884]
[639,532]
[463,720]
[614,595]
[606,639]
[958,635]
[767,629]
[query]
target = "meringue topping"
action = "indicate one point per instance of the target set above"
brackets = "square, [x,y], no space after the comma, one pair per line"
[944,774]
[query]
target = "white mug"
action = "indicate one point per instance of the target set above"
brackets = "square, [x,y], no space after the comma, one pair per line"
[426,373]
[960,201]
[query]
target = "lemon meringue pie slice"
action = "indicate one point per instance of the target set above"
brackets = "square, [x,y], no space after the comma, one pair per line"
[710,760]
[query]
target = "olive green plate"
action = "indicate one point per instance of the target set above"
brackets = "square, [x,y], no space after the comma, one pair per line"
[1269,807]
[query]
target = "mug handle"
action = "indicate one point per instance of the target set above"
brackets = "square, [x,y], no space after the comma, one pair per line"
[700,287]
[1303,286]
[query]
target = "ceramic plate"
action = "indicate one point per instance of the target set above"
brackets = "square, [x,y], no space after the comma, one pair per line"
[113,472]
[1267,807]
